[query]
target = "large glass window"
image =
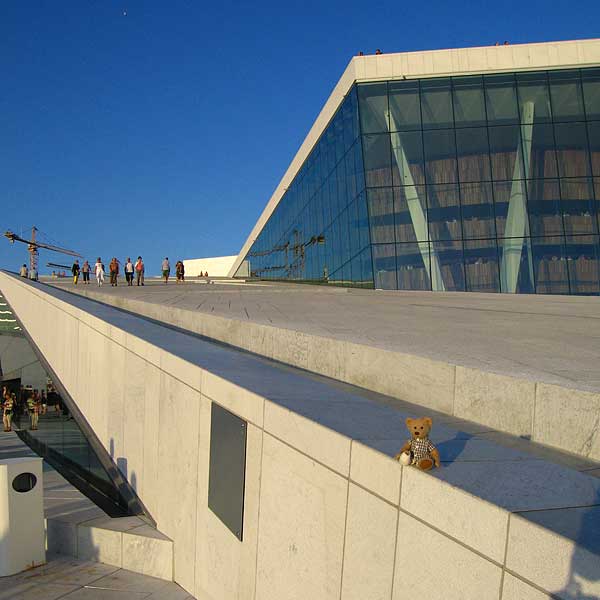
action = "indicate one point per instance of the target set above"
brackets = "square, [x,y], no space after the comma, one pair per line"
[480,183]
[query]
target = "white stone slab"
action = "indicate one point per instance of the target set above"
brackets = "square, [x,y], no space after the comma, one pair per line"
[325,445]
[478,524]
[424,568]
[369,547]
[514,588]
[504,403]
[376,472]
[557,550]
[301,526]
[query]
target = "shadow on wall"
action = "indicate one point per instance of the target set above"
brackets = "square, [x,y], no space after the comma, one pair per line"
[582,525]
[122,465]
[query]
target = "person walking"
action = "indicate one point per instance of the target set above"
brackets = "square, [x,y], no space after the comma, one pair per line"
[85,269]
[113,267]
[23,271]
[99,269]
[8,404]
[180,271]
[129,271]
[139,269]
[75,270]
[166,269]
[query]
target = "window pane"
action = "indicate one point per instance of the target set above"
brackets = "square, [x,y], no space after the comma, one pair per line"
[440,156]
[550,265]
[367,267]
[413,266]
[373,103]
[594,138]
[578,206]
[504,146]
[501,99]
[473,154]
[534,99]
[469,105]
[377,155]
[516,266]
[567,97]
[543,154]
[384,266]
[449,257]
[404,105]
[436,103]
[506,192]
[443,212]
[381,215]
[409,213]
[477,210]
[481,266]
[583,262]
[354,228]
[572,149]
[543,202]
[363,221]
[407,158]
[591,92]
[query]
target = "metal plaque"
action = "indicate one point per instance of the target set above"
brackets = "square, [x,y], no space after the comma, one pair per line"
[227,472]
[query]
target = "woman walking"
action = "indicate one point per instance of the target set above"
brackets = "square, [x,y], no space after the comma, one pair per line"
[139,269]
[113,267]
[85,269]
[7,409]
[99,268]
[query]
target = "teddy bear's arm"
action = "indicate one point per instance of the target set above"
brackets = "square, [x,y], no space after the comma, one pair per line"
[436,457]
[405,448]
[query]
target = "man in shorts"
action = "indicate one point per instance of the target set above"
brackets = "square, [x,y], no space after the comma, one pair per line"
[166,269]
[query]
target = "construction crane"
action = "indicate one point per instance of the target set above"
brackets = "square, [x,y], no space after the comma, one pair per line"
[33,245]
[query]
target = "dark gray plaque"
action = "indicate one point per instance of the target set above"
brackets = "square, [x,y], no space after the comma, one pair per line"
[227,472]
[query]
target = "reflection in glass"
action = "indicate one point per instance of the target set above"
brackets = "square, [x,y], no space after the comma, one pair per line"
[469,103]
[405,106]
[591,93]
[572,149]
[477,210]
[443,212]
[567,96]
[373,101]
[543,202]
[550,265]
[473,154]
[534,98]
[439,150]
[481,266]
[451,263]
[436,104]
[381,215]
[583,262]
[484,164]
[577,202]
[413,266]
[384,266]
[501,99]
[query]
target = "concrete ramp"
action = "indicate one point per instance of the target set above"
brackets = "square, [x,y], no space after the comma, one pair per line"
[327,513]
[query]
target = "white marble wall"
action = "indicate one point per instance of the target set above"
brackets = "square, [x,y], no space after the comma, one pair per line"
[515,405]
[325,516]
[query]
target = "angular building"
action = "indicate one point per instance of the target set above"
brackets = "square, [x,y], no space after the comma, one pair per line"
[473,169]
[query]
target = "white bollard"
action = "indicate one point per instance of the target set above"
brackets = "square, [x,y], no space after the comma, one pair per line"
[22,536]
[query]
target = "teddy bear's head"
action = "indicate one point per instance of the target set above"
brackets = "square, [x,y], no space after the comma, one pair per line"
[419,428]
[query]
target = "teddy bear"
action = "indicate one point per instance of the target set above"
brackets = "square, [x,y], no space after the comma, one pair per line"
[419,451]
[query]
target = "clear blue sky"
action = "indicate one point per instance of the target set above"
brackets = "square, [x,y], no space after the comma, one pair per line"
[162,127]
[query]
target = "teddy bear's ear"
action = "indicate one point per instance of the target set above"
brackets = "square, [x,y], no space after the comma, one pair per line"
[428,421]
[409,422]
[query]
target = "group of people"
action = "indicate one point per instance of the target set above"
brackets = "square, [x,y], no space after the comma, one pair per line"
[28,273]
[132,271]
[32,402]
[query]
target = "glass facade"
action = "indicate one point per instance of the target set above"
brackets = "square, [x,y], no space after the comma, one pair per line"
[484,183]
